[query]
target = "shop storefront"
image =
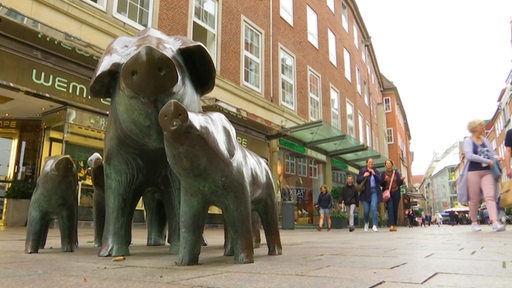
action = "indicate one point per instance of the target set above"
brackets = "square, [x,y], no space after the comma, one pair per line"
[301,172]
[314,154]
[46,107]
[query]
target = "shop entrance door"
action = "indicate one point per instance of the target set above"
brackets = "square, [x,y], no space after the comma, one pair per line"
[8,141]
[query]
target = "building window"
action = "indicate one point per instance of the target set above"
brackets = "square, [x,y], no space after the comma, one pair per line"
[286,10]
[366,93]
[356,37]
[344,16]
[368,134]
[332,47]
[252,57]
[339,177]
[312,27]
[135,13]
[313,168]
[335,108]
[351,129]
[387,104]
[302,167]
[358,80]
[361,128]
[346,59]
[204,27]
[389,136]
[314,95]
[330,4]
[287,79]
[289,163]
[102,4]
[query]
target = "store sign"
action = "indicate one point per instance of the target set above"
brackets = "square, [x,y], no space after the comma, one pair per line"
[47,80]
[49,40]
[8,124]
[339,164]
[292,146]
[254,144]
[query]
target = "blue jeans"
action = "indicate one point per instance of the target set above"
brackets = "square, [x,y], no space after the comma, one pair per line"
[373,206]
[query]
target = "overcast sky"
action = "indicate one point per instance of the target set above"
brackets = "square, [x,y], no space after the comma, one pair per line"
[449,60]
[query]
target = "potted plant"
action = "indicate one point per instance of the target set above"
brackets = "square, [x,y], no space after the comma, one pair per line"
[18,199]
[339,219]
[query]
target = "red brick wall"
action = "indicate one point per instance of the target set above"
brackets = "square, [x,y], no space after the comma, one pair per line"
[175,16]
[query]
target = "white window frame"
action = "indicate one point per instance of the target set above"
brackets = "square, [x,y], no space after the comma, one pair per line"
[389,136]
[344,16]
[346,60]
[387,104]
[330,4]
[285,79]
[358,80]
[361,127]
[356,36]
[332,47]
[252,57]
[286,10]
[302,166]
[314,96]
[335,108]
[131,22]
[289,164]
[368,134]
[313,169]
[211,47]
[351,123]
[102,4]
[366,92]
[312,23]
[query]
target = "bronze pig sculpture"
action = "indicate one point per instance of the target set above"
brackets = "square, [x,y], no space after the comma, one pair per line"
[55,197]
[140,74]
[214,169]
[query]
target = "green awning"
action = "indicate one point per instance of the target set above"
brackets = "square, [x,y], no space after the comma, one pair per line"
[323,138]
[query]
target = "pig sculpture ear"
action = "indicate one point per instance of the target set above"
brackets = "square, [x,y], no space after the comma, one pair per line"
[105,79]
[199,64]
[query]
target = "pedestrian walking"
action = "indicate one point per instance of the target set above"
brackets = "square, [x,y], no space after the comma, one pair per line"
[508,152]
[394,188]
[477,180]
[350,197]
[372,194]
[438,219]
[324,203]
[410,217]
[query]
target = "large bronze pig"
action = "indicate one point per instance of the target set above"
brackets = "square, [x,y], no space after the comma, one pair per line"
[55,197]
[214,169]
[140,74]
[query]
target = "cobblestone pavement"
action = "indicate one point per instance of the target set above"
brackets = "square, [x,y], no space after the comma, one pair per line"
[443,256]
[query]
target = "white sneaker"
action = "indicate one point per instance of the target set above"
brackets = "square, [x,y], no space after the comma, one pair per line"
[498,227]
[475,227]
[365,227]
[374,228]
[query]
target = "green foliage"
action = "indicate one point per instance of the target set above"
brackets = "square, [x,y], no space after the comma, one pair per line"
[20,190]
[339,214]
[336,193]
